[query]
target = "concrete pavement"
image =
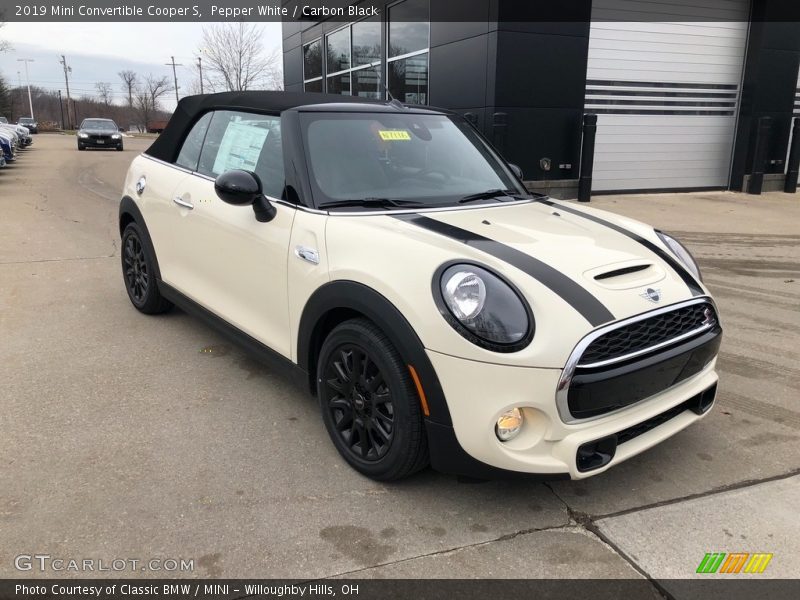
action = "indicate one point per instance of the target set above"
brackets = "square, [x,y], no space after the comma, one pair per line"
[129,436]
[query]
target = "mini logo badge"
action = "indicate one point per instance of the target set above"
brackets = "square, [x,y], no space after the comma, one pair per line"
[652,295]
[140,185]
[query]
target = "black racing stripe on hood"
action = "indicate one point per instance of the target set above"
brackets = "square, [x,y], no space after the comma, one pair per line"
[576,296]
[676,266]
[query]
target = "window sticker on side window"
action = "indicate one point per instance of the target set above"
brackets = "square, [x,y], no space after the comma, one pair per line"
[240,147]
[394,135]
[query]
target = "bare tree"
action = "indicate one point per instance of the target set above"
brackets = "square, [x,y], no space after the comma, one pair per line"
[148,94]
[104,92]
[234,58]
[129,81]
[5,46]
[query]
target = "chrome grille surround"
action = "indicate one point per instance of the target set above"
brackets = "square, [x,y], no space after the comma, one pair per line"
[573,362]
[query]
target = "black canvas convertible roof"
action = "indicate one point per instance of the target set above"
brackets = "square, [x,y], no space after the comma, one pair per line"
[191,108]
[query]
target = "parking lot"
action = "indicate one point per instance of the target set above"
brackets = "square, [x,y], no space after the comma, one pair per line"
[125,436]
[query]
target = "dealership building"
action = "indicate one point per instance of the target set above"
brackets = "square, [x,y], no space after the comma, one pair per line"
[681,88]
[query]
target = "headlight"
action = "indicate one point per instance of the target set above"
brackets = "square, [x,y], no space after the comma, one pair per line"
[682,253]
[83,135]
[115,136]
[483,308]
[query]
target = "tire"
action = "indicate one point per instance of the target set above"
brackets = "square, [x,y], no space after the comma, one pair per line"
[375,422]
[81,147]
[119,148]
[138,273]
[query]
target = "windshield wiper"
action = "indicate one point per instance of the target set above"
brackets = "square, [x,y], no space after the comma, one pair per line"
[373,202]
[489,194]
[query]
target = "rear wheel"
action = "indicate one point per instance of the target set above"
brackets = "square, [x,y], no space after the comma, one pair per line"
[369,403]
[139,274]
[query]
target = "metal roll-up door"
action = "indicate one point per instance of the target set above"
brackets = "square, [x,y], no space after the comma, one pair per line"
[665,90]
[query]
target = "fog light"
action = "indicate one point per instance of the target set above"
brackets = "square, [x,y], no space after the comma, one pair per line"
[508,425]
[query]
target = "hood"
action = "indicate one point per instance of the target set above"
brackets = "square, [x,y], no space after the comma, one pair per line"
[606,267]
[93,131]
[577,268]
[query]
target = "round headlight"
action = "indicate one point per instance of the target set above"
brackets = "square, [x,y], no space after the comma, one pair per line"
[465,294]
[682,253]
[483,308]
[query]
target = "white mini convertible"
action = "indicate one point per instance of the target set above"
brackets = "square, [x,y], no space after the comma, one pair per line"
[390,258]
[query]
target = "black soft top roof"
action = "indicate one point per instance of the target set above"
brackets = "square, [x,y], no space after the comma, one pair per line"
[191,108]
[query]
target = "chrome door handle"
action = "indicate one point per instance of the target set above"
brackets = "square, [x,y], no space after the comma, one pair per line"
[181,202]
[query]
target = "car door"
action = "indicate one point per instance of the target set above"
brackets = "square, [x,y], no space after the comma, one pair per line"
[225,259]
[163,183]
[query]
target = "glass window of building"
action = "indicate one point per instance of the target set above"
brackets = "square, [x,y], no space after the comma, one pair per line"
[338,50]
[366,42]
[313,86]
[408,79]
[339,84]
[366,83]
[312,66]
[408,27]
[407,54]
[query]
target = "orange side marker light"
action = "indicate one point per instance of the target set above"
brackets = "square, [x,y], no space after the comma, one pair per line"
[422,399]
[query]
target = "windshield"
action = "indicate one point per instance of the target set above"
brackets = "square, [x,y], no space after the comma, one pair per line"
[26,120]
[99,124]
[401,159]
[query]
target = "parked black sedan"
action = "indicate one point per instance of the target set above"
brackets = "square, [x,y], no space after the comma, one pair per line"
[99,133]
[30,123]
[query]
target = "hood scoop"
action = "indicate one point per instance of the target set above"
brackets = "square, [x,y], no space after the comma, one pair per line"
[626,275]
[621,272]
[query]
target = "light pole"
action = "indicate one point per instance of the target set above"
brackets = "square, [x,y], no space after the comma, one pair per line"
[28,81]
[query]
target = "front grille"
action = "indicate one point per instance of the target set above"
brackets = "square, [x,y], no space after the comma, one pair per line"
[100,137]
[656,330]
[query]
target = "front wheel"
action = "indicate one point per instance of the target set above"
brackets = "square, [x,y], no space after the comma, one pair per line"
[369,403]
[139,274]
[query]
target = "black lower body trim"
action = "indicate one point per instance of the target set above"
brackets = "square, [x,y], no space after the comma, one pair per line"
[252,346]
[447,456]
[596,454]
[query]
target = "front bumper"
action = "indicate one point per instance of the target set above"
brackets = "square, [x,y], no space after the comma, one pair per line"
[95,143]
[478,393]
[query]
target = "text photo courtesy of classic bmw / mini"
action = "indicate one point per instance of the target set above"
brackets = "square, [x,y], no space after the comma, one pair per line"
[400,297]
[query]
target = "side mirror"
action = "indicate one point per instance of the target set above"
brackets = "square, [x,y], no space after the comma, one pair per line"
[243,188]
[516,170]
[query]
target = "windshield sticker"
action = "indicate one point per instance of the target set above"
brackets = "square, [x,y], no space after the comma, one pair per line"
[394,135]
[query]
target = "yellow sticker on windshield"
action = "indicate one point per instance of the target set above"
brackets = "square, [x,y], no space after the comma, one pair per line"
[394,135]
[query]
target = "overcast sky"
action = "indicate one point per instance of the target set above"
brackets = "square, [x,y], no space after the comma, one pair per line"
[97,51]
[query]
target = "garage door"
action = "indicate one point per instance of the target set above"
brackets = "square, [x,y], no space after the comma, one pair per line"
[665,92]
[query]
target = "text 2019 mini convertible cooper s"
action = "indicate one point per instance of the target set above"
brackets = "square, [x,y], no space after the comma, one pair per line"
[440,313]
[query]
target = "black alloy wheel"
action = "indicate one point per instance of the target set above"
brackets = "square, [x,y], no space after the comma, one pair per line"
[369,403]
[360,402]
[139,274]
[136,272]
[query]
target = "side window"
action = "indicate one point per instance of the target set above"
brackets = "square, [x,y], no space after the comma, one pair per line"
[239,140]
[190,151]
